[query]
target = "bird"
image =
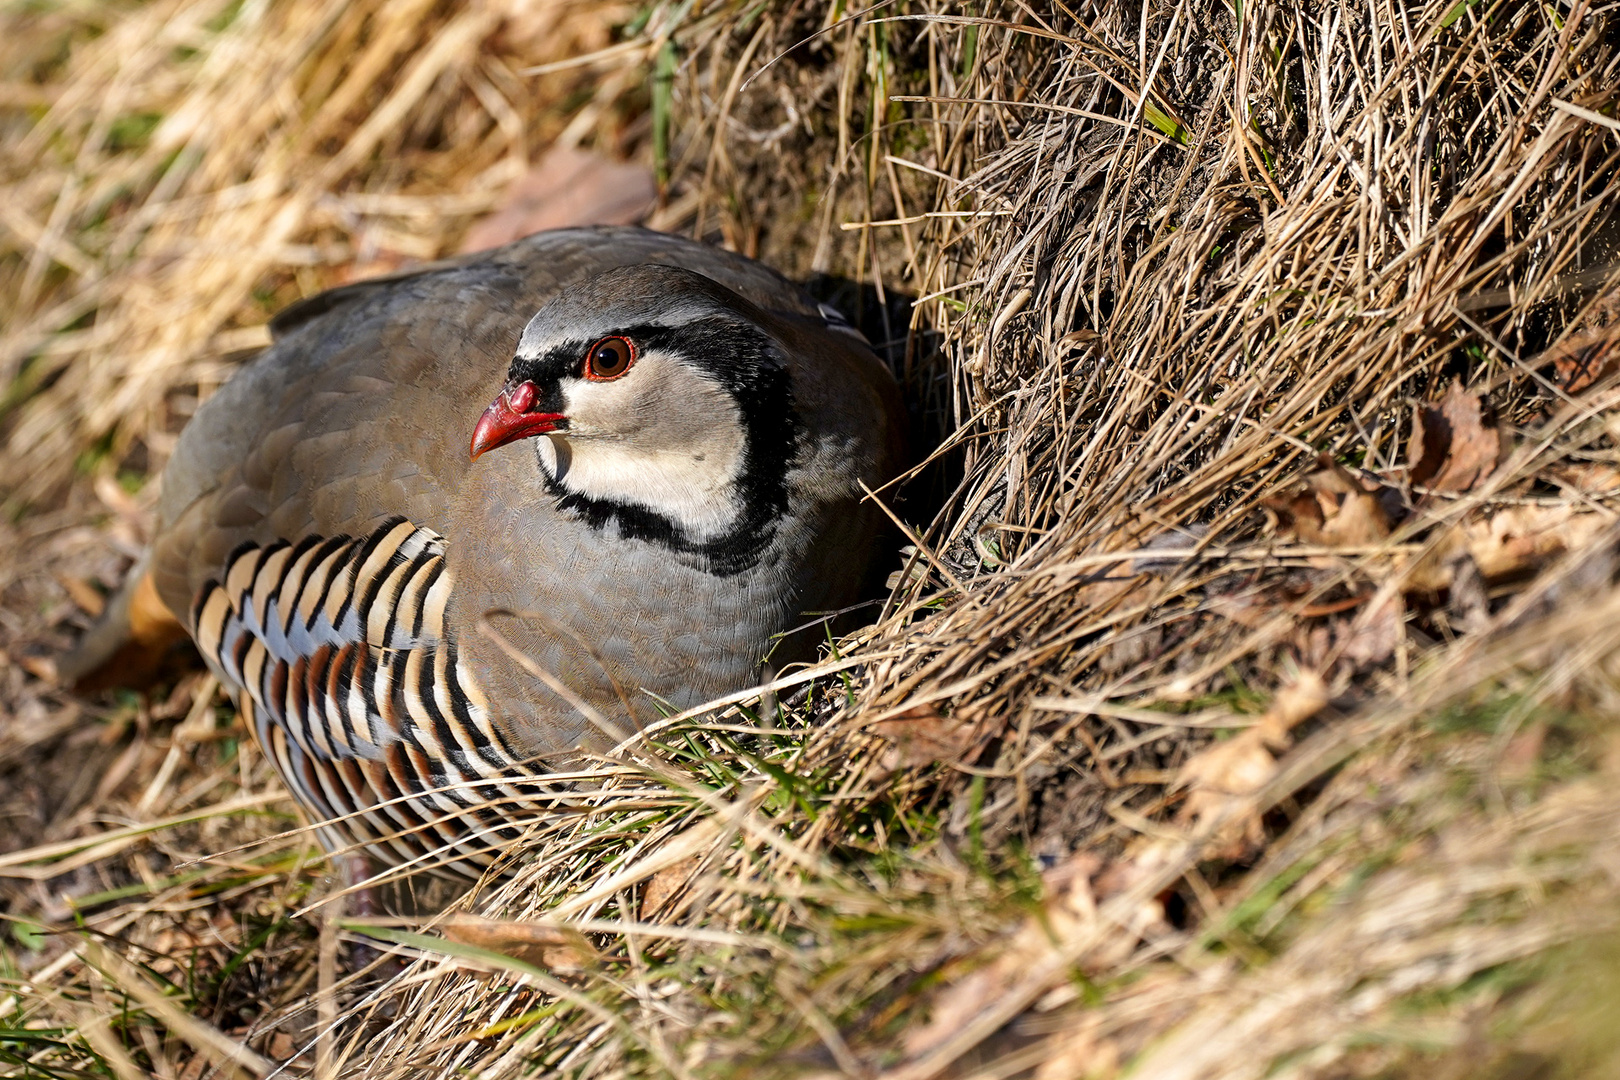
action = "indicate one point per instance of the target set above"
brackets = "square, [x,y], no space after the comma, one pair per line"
[462,523]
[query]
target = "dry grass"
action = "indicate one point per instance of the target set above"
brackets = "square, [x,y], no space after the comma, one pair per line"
[1322,784]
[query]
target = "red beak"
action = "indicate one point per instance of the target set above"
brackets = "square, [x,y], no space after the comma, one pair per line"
[508,419]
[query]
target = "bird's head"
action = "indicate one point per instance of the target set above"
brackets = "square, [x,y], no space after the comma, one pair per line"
[655,397]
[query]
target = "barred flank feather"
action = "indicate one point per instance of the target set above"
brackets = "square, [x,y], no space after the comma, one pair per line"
[336,652]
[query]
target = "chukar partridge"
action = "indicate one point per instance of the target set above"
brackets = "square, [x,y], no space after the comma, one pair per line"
[454,523]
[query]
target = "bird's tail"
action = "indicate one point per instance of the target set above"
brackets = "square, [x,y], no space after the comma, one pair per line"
[129,644]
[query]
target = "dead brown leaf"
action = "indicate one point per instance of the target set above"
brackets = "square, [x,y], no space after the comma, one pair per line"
[533,28]
[922,735]
[1432,570]
[1069,907]
[665,885]
[281,1046]
[1249,608]
[1469,604]
[1519,757]
[961,1000]
[40,667]
[1519,539]
[1455,445]
[1334,508]
[549,947]
[83,594]
[1081,1054]
[1222,778]
[1372,635]
[1144,858]
[1585,477]
[1583,358]
[566,188]
[1225,777]
[1499,546]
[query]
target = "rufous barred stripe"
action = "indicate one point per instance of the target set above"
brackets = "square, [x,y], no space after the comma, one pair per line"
[336,652]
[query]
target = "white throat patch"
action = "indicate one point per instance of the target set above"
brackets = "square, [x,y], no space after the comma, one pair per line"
[663,438]
[693,489]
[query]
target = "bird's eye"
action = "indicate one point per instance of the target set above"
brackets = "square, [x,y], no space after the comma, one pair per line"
[609,358]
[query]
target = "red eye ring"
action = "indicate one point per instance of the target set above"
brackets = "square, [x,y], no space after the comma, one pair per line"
[609,359]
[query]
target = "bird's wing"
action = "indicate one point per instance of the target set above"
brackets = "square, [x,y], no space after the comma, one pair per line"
[336,651]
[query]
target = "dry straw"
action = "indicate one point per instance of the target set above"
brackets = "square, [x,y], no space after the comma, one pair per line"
[1221,721]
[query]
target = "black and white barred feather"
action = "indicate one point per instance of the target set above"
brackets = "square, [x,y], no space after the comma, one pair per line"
[336,652]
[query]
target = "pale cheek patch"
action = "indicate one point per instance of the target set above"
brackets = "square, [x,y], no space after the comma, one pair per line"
[664,438]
